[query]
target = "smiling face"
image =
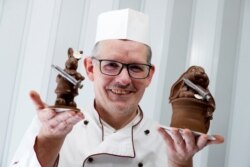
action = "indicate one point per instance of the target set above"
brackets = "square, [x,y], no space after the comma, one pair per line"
[118,94]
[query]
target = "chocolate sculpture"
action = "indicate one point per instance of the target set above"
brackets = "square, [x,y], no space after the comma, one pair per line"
[192,103]
[68,81]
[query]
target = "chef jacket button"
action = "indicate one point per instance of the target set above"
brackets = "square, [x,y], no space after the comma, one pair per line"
[90,160]
[85,122]
[147,132]
[16,162]
[140,164]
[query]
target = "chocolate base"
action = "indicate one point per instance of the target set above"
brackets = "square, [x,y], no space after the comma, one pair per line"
[59,108]
[191,114]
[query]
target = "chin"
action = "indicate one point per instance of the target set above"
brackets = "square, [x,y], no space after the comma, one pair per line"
[121,106]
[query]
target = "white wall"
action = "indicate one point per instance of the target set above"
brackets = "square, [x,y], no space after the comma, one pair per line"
[239,135]
[214,34]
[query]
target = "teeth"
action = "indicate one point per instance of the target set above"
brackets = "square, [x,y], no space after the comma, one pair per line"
[117,91]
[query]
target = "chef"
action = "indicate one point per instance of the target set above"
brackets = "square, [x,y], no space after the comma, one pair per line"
[112,131]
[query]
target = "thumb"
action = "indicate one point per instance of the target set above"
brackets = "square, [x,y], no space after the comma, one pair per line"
[35,97]
[219,140]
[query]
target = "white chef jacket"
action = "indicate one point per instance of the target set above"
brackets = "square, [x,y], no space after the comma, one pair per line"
[93,143]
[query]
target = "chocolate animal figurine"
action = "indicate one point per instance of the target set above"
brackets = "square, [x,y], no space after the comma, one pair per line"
[65,90]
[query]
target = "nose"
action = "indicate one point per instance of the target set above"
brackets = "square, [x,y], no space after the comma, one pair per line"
[124,78]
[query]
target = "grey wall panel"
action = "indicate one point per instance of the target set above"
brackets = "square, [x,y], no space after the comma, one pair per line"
[238,147]
[225,78]
[177,53]
[158,11]
[130,4]
[32,60]
[13,19]
[67,35]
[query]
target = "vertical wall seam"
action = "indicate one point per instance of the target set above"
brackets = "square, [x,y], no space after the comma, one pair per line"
[216,47]
[1,11]
[189,49]
[116,4]
[234,85]
[163,64]
[143,4]
[50,53]
[84,20]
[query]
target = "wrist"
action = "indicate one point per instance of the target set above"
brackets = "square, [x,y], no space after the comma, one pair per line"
[45,134]
[177,164]
[47,150]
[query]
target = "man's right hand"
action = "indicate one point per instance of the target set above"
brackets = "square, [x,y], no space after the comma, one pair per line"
[55,127]
[54,124]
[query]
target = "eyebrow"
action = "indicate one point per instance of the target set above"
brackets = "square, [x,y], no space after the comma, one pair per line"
[121,62]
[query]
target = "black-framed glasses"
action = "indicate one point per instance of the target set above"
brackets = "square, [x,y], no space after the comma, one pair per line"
[114,68]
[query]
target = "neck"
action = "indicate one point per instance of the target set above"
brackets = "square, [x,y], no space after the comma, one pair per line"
[115,119]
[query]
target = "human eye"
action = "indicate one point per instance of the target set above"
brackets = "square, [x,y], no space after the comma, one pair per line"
[137,68]
[110,65]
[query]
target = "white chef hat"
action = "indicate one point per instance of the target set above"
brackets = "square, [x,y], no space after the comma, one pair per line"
[123,24]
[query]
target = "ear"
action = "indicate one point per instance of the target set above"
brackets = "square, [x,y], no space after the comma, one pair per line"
[88,64]
[70,52]
[151,74]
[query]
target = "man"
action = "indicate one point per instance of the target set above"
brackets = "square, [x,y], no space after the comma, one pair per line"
[112,131]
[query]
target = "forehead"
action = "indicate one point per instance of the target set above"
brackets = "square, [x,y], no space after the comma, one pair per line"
[124,50]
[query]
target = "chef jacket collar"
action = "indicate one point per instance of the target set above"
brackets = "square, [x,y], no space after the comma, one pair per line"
[107,129]
[119,144]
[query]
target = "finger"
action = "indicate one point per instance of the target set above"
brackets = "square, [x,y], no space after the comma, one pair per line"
[67,125]
[63,127]
[71,117]
[189,139]
[35,97]
[177,137]
[167,138]
[46,114]
[59,118]
[75,119]
[179,141]
[202,141]
[218,140]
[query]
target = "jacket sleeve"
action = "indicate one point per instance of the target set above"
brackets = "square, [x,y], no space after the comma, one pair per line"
[25,155]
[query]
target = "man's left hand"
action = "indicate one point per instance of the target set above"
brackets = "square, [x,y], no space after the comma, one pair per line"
[181,147]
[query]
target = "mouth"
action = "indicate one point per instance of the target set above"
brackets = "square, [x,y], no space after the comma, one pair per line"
[120,91]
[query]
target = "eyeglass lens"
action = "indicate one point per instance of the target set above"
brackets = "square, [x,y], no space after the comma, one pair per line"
[112,68]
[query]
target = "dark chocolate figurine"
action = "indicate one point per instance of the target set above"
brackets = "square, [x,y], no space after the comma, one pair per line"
[68,83]
[192,108]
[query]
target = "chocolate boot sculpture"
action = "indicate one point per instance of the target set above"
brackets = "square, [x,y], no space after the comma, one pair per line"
[192,103]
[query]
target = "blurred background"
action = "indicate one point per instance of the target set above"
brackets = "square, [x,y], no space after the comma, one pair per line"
[213,34]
